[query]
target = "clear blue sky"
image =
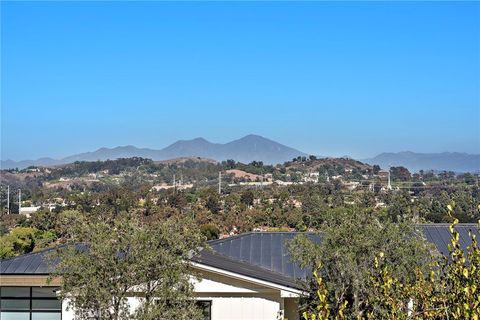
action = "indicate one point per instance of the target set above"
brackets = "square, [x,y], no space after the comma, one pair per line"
[326,78]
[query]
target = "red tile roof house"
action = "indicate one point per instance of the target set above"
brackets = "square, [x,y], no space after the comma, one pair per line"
[248,276]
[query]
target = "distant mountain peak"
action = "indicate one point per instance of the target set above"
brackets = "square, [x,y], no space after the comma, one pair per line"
[200,139]
[249,148]
[253,136]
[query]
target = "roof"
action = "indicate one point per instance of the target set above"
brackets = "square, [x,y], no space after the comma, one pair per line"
[267,250]
[260,255]
[213,259]
[439,235]
[34,263]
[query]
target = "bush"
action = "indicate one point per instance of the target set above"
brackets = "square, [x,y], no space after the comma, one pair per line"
[210,231]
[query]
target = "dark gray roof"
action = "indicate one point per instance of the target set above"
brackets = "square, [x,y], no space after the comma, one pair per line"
[35,263]
[439,235]
[261,255]
[264,249]
[213,259]
[268,249]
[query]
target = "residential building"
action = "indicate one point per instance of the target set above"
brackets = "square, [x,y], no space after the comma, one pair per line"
[247,276]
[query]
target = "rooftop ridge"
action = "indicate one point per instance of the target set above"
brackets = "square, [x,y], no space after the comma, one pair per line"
[41,251]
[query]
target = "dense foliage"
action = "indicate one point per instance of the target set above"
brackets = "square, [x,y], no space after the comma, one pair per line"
[108,261]
[444,288]
[371,261]
[344,257]
[313,189]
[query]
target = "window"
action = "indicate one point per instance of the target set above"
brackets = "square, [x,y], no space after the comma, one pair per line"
[206,307]
[30,303]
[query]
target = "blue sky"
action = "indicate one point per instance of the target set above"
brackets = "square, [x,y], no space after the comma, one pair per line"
[327,78]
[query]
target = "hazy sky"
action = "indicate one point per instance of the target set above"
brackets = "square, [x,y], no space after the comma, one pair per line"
[326,78]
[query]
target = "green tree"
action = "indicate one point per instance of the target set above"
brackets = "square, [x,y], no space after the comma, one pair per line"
[210,231]
[43,219]
[23,240]
[213,203]
[108,261]
[400,173]
[350,239]
[247,197]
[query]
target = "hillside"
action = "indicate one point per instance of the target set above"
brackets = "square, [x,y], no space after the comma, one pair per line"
[323,163]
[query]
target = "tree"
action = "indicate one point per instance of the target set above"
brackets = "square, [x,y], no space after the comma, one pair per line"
[448,291]
[210,231]
[400,173]
[43,219]
[177,200]
[23,240]
[350,239]
[247,198]
[213,203]
[109,260]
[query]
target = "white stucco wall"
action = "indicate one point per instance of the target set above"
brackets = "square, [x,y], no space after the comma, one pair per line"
[254,308]
[67,314]
[233,297]
[238,299]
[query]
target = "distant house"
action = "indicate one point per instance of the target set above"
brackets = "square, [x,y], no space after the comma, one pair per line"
[28,211]
[383,173]
[247,276]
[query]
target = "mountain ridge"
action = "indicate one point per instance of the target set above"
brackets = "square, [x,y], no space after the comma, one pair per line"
[246,149]
[416,161]
[254,147]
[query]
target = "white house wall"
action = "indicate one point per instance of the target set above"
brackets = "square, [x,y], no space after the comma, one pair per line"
[233,298]
[237,299]
[245,307]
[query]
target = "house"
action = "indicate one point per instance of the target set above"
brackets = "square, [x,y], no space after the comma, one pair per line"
[29,210]
[247,276]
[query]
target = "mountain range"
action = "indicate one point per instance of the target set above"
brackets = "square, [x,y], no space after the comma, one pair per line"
[246,149]
[445,161]
[255,147]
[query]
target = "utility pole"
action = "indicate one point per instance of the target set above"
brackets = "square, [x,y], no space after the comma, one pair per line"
[389,186]
[219,182]
[8,199]
[373,184]
[19,201]
[174,184]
